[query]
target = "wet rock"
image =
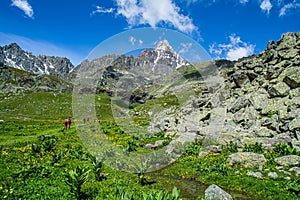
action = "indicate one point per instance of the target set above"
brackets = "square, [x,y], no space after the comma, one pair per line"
[247,159]
[214,192]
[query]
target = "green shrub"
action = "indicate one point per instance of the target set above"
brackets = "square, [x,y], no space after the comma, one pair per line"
[255,148]
[230,148]
[283,149]
[75,179]
[193,149]
[98,167]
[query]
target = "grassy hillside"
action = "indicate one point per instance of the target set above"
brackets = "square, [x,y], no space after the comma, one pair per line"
[36,106]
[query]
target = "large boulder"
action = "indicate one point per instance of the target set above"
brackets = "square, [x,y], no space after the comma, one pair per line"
[290,160]
[214,192]
[259,100]
[279,90]
[241,79]
[241,102]
[247,159]
[292,77]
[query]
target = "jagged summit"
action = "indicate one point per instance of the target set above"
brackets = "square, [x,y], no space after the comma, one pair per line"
[163,55]
[14,56]
[163,45]
[12,45]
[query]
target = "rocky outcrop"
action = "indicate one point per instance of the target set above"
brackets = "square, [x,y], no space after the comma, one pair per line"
[255,99]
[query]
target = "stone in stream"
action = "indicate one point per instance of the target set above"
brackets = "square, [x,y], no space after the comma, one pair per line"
[214,192]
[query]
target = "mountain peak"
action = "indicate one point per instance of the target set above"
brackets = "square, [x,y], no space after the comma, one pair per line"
[163,45]
[12,46]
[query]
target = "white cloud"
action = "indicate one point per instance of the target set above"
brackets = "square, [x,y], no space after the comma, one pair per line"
[141,42]
[289,6]
[154,12]
[184,48]
[133,41]
[266,5]
[100,9]
[244,1]
[23,5]
[234,50]
[239,52]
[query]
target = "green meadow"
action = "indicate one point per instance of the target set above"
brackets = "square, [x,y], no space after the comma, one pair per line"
[39,159]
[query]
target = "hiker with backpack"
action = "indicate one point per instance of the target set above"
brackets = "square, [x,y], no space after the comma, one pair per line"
[69,122]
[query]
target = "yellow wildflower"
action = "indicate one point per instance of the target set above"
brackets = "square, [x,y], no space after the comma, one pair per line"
[11,191]
[55,164]
[5,197]
[4,153]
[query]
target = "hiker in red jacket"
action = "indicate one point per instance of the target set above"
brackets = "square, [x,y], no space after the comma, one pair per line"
[65,124]
[69,122]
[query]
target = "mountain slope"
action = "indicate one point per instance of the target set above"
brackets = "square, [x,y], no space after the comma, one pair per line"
[16,81]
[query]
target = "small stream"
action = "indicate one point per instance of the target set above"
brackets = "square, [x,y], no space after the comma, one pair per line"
[190,189]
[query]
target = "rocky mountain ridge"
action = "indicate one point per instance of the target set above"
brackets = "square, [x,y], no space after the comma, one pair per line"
[12,55]
[129,72]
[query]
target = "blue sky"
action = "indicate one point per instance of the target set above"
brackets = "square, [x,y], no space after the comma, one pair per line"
[73,28]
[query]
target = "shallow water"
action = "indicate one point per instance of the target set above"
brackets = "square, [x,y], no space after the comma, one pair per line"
[190,189]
